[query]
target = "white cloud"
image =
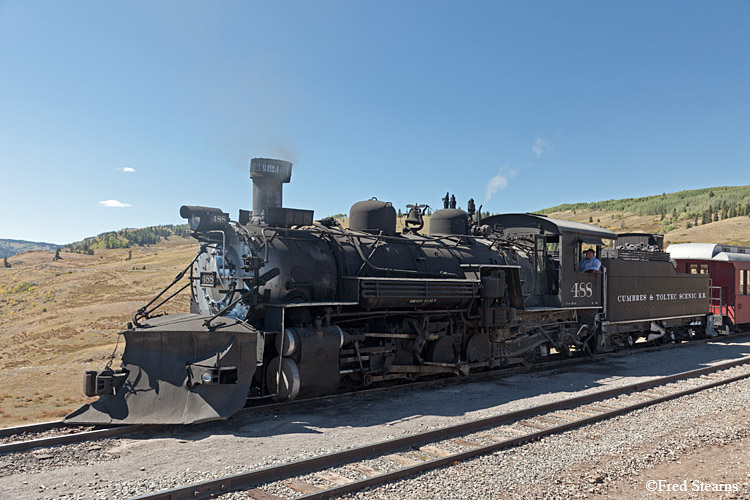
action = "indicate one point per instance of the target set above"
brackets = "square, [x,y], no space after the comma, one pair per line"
[114,203]
[128,170]
[499,182]
[540,146]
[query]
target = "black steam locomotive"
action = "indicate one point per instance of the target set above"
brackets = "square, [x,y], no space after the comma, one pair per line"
[285,307]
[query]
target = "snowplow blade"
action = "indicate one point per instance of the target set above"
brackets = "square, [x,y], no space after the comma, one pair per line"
[175,370]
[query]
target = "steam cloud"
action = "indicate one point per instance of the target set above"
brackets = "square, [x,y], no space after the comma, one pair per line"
[499,182]
[114,204]
[540,146]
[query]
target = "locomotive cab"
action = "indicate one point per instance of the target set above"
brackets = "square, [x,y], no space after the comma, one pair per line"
[555,248]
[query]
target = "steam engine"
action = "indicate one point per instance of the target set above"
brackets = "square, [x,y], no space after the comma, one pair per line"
[285,307]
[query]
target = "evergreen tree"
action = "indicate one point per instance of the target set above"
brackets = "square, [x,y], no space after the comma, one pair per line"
[57,255]
[6,264]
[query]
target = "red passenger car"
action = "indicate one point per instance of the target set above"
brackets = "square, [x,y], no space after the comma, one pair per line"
[729,269]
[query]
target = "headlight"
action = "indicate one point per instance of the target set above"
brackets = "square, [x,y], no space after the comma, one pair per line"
[206,377]
[203,219]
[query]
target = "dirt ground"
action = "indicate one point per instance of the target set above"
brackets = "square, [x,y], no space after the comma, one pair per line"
[697,475]
[59,318]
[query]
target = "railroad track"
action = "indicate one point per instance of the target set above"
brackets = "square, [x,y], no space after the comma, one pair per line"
[46,434]
[63,435]
[351,470]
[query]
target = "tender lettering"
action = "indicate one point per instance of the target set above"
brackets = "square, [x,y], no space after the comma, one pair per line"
[641,297]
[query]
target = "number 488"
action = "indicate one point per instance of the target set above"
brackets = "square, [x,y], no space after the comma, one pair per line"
[582,290]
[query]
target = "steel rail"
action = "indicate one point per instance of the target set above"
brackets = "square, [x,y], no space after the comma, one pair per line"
[248,480]
[507,443]
[38,427]
[76,437]
[539,367]
[476,376]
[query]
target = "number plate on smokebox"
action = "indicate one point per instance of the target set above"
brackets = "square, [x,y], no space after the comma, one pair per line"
[208,280]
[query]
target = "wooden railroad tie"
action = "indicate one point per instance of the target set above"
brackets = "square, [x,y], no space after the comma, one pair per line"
[582,411]
[435,451]
[468,444]
[546,420]
[610,406]
[258,494]
[402,460]
[533,425]
[597,408]
[646,395]
[563,416]
[365,470]
[337,479]
[509,430]
[301,486]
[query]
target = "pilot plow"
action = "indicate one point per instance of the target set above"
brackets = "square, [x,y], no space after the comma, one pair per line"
[176,369]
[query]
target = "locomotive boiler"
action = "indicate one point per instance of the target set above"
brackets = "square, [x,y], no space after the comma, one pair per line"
[284,307]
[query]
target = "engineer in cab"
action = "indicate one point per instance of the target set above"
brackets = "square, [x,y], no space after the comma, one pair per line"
[589,263]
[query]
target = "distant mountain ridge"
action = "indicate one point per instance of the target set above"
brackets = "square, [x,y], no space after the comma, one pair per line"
[10,247]
[123,238]
[664,213]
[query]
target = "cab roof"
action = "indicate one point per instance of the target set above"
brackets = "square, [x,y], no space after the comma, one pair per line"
[549,225]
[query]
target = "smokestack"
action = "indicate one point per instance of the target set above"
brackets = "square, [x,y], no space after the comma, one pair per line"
[268,176]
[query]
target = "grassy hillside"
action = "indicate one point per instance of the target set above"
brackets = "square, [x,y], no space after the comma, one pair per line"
[718,214]
[58,318]
[685,204]
[125,238]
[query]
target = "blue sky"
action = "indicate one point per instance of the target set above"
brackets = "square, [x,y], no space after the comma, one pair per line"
[521,105]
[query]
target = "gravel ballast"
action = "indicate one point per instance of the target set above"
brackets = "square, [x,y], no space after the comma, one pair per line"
[556,467]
